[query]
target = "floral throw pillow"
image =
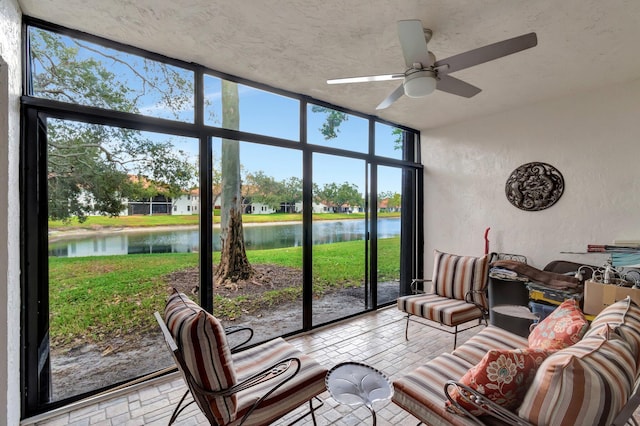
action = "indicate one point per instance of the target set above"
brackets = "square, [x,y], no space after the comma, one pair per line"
[564,327]
[503,376]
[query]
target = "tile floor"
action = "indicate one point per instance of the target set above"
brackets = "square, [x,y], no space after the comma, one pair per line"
[376,339]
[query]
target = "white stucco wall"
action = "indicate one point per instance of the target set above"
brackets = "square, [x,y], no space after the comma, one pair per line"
[10,89]
[592,139]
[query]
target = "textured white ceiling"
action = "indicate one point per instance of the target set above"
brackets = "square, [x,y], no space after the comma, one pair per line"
[298,44]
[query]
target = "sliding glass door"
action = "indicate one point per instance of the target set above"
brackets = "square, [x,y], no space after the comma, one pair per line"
[339,230]
[388,233]
[106,281]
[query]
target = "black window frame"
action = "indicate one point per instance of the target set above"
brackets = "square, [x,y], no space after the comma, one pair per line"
[34,253]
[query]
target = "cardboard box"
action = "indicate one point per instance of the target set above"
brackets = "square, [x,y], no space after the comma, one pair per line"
[597,296]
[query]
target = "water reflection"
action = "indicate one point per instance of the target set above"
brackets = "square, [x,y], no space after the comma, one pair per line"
[258,237]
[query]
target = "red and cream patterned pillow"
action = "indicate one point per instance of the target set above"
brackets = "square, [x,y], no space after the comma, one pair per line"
[564,327]
[455,276]
[503,376]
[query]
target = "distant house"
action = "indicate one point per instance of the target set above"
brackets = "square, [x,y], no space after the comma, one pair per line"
[259,208]
[160,204]
[383,206]
[187,203]
[316,207]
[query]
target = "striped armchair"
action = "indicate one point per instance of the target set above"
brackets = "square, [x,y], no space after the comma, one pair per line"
[251,387]
[458,294]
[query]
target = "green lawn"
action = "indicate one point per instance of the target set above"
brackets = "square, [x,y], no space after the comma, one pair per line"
[93,299]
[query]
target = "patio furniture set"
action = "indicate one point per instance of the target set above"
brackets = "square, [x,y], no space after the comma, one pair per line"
[567,370]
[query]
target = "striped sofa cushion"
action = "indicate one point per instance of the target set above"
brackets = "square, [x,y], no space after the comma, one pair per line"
[585,384]
[454,276]
[421,392]
[202,341]
[491,337]
[439,308]
[308,383]
[624,316]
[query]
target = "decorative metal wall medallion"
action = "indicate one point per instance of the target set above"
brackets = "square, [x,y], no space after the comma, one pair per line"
[534,186]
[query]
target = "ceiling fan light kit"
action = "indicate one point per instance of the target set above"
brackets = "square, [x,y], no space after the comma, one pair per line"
[419,84]
[424,74]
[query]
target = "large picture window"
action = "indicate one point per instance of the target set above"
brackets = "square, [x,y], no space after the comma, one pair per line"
[142,174]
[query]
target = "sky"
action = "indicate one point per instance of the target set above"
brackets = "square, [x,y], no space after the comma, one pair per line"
[264,113]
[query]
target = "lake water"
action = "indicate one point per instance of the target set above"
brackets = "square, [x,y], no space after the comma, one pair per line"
[187,241]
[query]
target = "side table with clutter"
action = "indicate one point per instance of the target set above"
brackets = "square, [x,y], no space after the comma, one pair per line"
[511,284]
[520,294]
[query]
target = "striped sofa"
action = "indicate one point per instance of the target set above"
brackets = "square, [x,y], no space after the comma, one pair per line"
[592,382]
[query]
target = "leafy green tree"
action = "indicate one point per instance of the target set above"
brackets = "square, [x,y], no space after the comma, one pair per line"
[393,200]
[397,141]
[337,196]
[291,193]
[264,189]
[348,195]
[326,195]
[333,120]
[93,169]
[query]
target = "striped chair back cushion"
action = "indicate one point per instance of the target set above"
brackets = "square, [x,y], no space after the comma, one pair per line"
[585,384]
[624,317]
[202,341]
[454,276]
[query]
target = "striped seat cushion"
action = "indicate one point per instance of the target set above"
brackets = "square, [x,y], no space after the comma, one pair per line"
[439,308]
[202,341]
[585,384]
[491,337]
[308,383]
[421,392]
[624,317]
[455,276]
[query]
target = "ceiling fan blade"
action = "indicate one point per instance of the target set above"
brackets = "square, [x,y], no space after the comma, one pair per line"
[413,42]
[364,79]
[487,53]
[452,85]
[393,96]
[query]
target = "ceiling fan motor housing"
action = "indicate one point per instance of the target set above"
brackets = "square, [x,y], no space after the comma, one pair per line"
[419,83]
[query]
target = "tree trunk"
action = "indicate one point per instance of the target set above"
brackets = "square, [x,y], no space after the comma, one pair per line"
[234,264]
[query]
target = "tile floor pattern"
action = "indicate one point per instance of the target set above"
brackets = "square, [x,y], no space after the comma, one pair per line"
[376,339]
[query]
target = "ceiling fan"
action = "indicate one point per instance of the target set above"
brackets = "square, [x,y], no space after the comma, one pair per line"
[424,74]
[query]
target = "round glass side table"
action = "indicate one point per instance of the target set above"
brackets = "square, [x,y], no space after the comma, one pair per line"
[355,383]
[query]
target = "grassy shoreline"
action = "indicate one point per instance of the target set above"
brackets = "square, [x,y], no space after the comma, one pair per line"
[97,223]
